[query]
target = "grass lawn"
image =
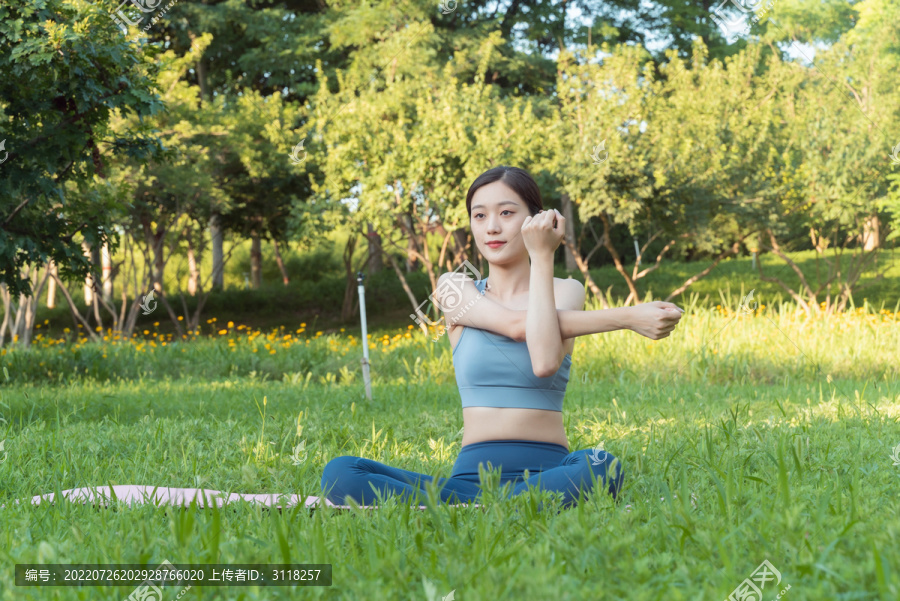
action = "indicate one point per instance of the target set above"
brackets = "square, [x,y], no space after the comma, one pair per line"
[744,438]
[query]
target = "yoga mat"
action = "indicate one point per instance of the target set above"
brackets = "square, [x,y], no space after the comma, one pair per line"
[136,494]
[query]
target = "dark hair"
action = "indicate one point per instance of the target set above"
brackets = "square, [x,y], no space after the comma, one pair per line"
[517,179]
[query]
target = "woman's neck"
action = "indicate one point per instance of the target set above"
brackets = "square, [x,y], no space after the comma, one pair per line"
[506,282]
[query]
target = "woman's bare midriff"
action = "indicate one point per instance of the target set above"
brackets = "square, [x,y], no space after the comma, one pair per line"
[502,423]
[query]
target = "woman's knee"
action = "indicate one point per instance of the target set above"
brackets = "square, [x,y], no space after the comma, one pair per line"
[339,467]
[605,465]
[612,472]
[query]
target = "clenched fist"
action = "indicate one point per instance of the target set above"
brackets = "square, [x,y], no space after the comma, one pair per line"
[654,320]
[542,233]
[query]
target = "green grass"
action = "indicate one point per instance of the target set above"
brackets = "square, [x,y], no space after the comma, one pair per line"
[781,429]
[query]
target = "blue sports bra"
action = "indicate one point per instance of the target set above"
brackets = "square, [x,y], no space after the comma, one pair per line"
[495,371]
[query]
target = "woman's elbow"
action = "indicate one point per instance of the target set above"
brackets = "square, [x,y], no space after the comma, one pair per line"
[544,370]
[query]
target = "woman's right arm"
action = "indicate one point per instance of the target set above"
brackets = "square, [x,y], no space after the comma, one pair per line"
[654,320]
[469,307]
[463,304]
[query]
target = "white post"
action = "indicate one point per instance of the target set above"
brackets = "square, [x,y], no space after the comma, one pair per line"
[365,334]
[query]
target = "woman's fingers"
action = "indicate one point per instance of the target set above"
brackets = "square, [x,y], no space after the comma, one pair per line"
[547,217]
[559,221]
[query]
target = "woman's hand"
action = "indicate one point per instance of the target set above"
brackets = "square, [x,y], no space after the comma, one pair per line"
[541,235]
[654,320]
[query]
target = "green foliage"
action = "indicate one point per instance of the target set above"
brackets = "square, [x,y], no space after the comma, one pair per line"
[809,21]
[66,68]
[710,144]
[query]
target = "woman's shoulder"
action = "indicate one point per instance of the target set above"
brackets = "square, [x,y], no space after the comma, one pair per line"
[569,293]
[569,282]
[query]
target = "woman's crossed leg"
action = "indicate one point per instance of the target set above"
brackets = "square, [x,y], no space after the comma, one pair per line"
[362,479]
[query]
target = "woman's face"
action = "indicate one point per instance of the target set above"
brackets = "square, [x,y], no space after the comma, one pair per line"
[496,221]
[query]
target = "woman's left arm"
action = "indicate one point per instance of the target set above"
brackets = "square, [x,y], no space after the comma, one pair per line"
[542,334]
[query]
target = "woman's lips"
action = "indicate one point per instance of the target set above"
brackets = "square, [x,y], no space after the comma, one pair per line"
[496,244]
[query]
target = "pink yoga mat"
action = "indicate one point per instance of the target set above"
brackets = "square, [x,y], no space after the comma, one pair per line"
[136,494]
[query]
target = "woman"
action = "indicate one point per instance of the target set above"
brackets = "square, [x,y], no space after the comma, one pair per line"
[512,336]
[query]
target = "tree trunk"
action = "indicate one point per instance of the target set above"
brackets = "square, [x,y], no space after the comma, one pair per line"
[407,289]
[88,283]
[193,269]
[10,308]
[461,238]
[442,256]
[128,314]
[51,287]
[871,236]
[255,261]
[28,324]
[201,79]
[583,268]
[76,316]
[410,244]
[429,266]
[201,68]
[349,289]
[7,307]
[106,261]
[218,267]
[633,293]
[158,266]
[17,321]
[155,241]
[417,247]
[31,312]
[280,261]
[98,290]
[374,241]
[155,244]
[571,263]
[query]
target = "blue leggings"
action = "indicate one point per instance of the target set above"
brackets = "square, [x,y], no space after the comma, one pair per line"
[550,466]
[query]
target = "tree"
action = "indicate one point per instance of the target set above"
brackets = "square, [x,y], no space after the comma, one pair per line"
[257,172]
[173,196]
[65,68]
[402,157]
[840,117]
